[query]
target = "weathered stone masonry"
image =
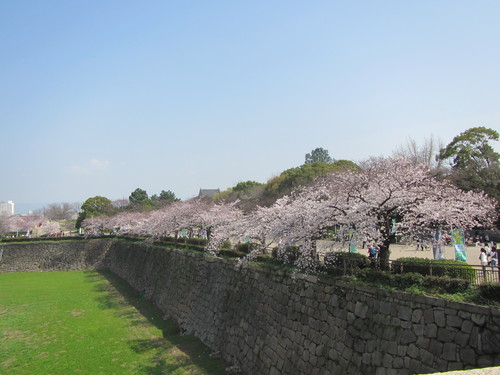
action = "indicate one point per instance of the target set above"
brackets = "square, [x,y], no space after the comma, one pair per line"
[269,323]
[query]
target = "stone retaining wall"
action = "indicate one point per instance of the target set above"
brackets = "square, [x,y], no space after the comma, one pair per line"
[269,323]
[53,256]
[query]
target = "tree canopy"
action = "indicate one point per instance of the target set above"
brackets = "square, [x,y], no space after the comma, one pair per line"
[471,149]
[474,163]
[92,207]
[138,196]
[306,173]
[165,196]
[318,155]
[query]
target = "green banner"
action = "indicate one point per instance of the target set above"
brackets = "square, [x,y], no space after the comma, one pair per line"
[458,241]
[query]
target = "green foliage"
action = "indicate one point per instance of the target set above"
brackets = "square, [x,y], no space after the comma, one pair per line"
[246,186]
[231,253]
[94,206]
[490,291]
[431,267]
[318,155]
[306,173]
[165,197]
[475,164]
[246,247]
[288,256]
[138,196]
[345,263]
[471,149]
[374,275]
[413,281]
[435,284]
[408,280]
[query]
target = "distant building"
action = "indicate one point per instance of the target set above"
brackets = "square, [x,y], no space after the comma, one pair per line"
[7,208]
[208,193]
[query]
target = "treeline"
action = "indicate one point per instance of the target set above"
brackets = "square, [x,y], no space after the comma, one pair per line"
[138,201]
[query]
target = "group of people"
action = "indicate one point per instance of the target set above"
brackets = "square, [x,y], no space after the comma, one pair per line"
[489,254]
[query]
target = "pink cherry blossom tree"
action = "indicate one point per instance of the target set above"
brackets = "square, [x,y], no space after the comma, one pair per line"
[367,201]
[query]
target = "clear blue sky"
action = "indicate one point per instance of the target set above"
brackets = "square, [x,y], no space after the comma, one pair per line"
[102,97]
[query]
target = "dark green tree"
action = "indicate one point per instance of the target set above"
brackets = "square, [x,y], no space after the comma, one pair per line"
[167,197]
[138,196]
[474,163]
[471,149]
[94,206]
[318,155]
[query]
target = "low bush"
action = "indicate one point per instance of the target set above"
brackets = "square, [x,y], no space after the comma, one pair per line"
[373,275]
[407,280]
[288,256]
[246,247]
[431,267]
[231,253]
[490,291]
[438,284]
[343,263]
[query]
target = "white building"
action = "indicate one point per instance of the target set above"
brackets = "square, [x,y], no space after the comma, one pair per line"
[7,208]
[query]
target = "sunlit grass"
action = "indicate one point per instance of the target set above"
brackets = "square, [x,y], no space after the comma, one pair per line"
[90,323]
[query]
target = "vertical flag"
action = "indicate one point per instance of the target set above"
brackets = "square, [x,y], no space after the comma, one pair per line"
[457,239]
[437,245]
[352,241]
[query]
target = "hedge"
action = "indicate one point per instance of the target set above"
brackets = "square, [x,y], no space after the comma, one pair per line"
[431,267]
[345,263]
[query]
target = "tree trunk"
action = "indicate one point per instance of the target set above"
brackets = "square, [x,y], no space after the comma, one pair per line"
[385,253]
[388,235]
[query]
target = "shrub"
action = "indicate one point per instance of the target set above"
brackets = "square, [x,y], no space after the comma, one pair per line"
[345,263]
[407,280]
[490,291]
[231,253]
[432,267]
[438,284]
[246,247]
[289,256]
[374,275]
[197,241]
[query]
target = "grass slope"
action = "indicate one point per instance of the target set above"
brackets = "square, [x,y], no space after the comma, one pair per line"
[90,323]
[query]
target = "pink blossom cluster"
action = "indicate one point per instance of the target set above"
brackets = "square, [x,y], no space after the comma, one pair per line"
[26,223]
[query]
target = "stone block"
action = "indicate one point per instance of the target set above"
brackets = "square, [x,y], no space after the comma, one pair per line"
[405,313]
[440,318]
[461,339]
[450,351]
[360,310]
[431,330]
[436,348]
[490,342]
[446,335]
[478,319]
[429,316]
[408,337]
[467,326]
[387,361]
[454,321]
[468,357]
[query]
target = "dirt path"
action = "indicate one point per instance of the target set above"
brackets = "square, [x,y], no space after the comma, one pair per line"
[403,251]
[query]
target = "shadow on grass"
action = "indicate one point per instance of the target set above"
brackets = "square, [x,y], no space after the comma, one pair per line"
[172,352]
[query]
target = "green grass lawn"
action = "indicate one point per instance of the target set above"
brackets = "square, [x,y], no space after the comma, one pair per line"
[90,323]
